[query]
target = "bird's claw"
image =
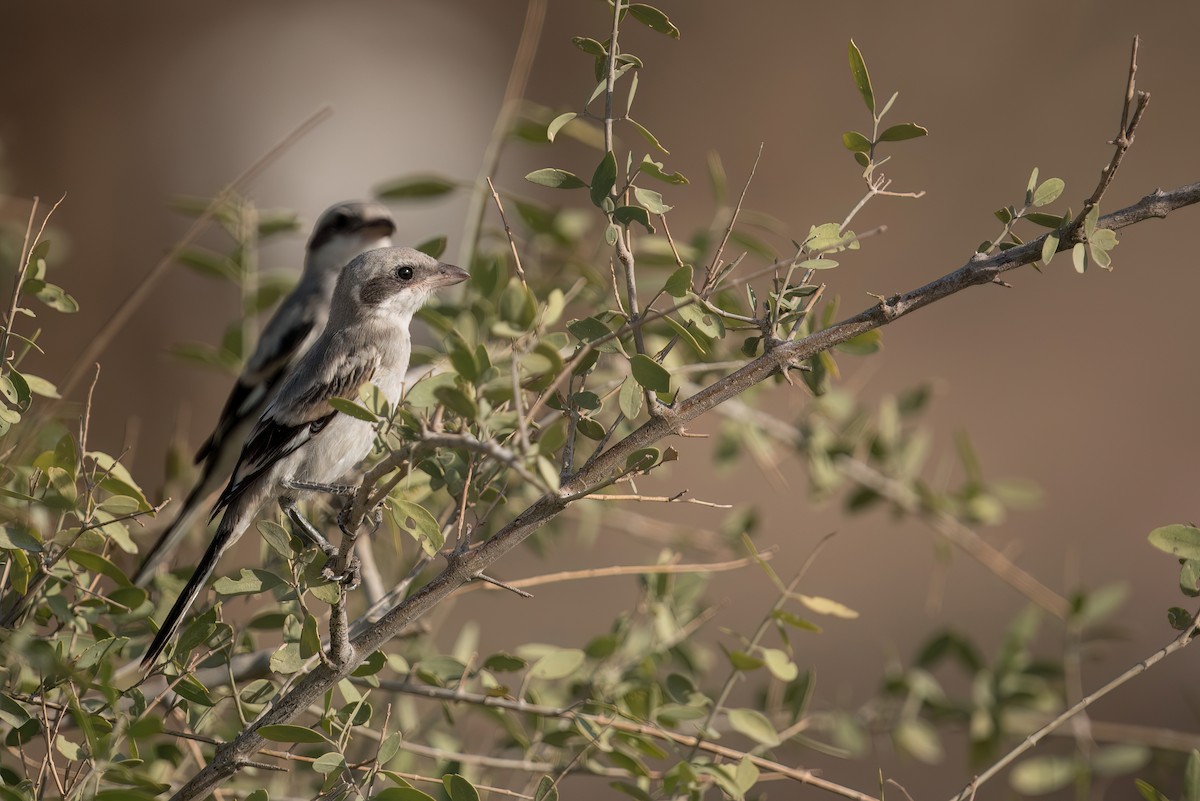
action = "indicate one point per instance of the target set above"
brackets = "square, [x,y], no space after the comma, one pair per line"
[349,577]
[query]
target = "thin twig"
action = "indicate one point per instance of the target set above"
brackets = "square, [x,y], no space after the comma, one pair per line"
[1182,641]
[514,90]
[714,267]
[507,231]
[620,724]
[961,536]
[634,570]
[677,498]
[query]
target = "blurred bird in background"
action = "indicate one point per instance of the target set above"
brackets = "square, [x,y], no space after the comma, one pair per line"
[342,232]
[301,444]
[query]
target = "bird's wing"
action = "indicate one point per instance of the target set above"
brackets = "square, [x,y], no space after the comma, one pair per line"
[300,411]
[278,346]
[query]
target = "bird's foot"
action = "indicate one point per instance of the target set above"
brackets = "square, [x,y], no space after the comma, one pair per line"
[349,576]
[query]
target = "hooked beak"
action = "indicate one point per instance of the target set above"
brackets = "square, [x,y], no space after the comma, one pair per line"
[448,275]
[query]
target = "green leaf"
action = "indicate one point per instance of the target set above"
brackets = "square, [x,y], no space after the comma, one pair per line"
[97,564]
[754,724]
[652,201]
[457,401]
[1044,220]
[680,282]
[557,664]
[795,621]
[1042,774]
[653,19]
[589,46]
[863,344]
[1048,192]
[557,124]
[1049,247]
[1079,257]
[208,263]
[920,740]
[401,794]
[1191,777]
[286,733]
[555,179]
[1179,618]
[352,409]
[504,663]
[650,374]
[589,329]
[54,296]
[907,130]
[434,247]
[8,390]
[329,762]
[655,169]
[856,142]
[631,214]
[744,662]
[1189,578]
[419,523]
[1103,239]
[1178,540]
[642,459]
[389,748]
[415,187]
[827,606]
[1118,760]
[649,137]
[547,791]
[1148,792]
[604,178]
[248,582]
[630,399]
[780,664]
[458,788]
[862,80]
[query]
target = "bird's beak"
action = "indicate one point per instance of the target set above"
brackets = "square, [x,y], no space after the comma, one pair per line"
[448,275]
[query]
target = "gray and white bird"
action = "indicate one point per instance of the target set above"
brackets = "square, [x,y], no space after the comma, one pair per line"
[300,441]
[341,233]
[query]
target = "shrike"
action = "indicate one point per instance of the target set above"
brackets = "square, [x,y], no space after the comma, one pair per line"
[300,441]
[341,233]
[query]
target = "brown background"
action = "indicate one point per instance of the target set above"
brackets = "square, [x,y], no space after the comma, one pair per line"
[1086,384]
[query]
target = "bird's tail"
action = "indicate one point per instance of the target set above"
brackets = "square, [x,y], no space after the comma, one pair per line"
[233,524]
[219,465]
[190,514]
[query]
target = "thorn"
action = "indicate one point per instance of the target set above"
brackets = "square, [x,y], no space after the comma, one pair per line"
[502,585]
[1004,284]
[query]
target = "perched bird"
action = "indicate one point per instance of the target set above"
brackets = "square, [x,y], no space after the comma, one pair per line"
[300,441]
[341,233]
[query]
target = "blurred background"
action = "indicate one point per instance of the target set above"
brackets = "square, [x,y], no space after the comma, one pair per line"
[1085,384]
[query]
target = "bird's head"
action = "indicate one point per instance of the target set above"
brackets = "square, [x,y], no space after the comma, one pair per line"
[391,283]
[346,230]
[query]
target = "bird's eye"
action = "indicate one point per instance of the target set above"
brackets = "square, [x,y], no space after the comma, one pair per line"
[341,221]
[405,273]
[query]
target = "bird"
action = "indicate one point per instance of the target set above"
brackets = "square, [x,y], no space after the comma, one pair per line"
[300,441]
[342,232]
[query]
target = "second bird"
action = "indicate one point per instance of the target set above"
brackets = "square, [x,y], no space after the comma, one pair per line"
[341,233]
[301,442]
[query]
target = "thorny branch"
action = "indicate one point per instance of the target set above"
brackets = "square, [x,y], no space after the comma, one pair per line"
[464,565]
